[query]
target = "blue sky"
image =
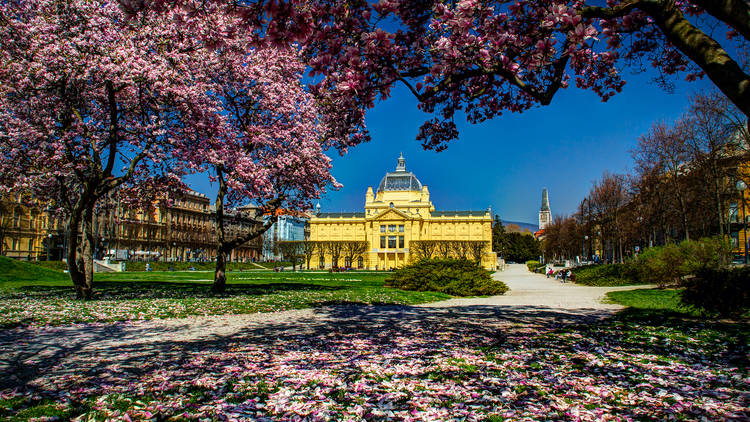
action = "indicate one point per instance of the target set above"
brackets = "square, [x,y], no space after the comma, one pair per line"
[505,163]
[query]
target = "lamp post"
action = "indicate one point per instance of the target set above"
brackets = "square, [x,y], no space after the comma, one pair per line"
[585,239]
[741,187]
[49,244]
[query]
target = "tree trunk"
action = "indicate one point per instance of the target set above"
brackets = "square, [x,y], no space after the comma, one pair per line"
[87,254]
[72,229]
[220,274]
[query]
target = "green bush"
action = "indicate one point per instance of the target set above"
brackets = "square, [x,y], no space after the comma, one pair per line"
[456,277]
[670,263]
[607,275]
[723,292]
[533,265]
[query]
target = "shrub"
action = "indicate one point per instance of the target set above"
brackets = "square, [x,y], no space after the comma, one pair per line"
[607,275]
[669,264]
[533,265]
[457,277]
[722,292]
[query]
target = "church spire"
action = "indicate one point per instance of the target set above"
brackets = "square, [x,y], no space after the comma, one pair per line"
[545,200]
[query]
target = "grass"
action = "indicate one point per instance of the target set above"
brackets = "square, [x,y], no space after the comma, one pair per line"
[32,295]
[651,301]
[21,273]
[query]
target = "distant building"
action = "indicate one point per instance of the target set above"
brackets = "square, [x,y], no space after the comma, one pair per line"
[290,226]
[181,227]
[398,213]
[545,215]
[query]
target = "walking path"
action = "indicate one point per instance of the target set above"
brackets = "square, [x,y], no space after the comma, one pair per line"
[529,289]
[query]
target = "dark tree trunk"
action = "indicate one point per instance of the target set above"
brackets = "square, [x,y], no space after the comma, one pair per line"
[76,273]
[220,275]
[87,254]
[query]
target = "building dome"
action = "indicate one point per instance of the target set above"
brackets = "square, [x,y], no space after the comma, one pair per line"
[400,179]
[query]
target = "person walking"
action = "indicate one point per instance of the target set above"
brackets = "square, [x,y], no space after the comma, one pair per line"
[568,275]
[563,275]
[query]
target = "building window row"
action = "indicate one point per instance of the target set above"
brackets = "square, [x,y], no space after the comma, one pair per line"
[390,241]
[391,228]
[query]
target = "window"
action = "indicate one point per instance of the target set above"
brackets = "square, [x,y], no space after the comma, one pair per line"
[382,242]
[382,228]
[360,262]
[392,228]
[31,245]
[322,262]
[391,205]
[14,245]
[401,242]
[733,213]
[401,228]
[391,242]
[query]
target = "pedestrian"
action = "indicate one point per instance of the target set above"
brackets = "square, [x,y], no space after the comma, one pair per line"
[564,275]
[549,272]
[569,274]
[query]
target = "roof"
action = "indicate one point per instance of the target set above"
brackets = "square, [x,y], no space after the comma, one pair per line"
[400,180]
[340,215]
[459,213]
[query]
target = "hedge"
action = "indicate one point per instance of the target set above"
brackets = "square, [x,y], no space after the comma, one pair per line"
[456,277]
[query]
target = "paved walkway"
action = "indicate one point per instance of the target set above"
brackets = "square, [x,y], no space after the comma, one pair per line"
[529,289]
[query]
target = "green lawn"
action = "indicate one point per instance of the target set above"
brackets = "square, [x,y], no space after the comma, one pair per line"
[32,295]
[664,300]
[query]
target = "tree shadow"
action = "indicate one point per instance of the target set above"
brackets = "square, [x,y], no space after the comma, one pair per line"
[554,350]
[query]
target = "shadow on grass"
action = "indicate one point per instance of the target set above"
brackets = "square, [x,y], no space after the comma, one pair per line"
[109,290]
[347,339]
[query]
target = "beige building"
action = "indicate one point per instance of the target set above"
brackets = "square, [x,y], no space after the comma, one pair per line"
[398,213]
[181,228]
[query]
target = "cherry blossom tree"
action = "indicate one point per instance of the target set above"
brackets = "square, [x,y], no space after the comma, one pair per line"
[267,149]
[91,101]
[483,57]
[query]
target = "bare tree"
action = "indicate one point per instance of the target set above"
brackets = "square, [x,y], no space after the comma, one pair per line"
[665,150]
[291,251]
[308,250]
[444,248]
[423,249]
[334,249]
[607,197]
[477,249]
[353,249]
[714,124]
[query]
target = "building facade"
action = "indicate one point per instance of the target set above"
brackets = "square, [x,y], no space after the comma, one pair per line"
[178,228]
[398,213]
[28,230]
[290,226]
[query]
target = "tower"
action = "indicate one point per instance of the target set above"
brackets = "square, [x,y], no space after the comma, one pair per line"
[545,215]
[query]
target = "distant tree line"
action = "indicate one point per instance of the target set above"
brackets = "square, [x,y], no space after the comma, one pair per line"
[514,247]
[684,186]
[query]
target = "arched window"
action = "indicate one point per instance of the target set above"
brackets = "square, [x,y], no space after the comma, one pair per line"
[391,205]
[360,262]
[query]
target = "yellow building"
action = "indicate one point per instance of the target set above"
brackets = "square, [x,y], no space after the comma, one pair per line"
[398,213]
